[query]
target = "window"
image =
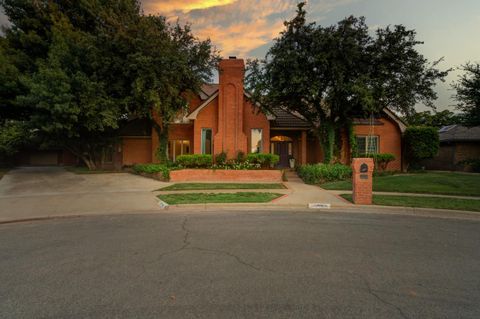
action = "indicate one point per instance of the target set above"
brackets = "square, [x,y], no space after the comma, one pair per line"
[207,142]
[178,147]
[367,145]
[257,141]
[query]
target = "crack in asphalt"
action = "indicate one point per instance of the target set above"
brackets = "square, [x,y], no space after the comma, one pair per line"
[373,293]
[187,243]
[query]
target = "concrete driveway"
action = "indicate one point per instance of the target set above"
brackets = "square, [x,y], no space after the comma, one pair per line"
[31,192]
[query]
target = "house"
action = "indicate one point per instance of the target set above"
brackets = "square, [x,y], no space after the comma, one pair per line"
[457,144]
[221,118]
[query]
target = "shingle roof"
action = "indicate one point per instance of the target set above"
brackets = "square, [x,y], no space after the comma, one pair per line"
[456,133]
[208,90]
[285,119]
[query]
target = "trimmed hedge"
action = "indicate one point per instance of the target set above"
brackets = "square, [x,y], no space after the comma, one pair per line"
[321,173]
[195,161]
[265,160]
[152,169]
[381,160]
[421,143]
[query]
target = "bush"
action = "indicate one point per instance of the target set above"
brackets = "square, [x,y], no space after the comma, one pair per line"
[381,160]
[153,169]
[221,158]
[421,143]
[321,173]
[240,157]
[265,160]
[195,160]
[473,163]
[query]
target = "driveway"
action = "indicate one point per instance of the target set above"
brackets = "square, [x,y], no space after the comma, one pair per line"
[31,192]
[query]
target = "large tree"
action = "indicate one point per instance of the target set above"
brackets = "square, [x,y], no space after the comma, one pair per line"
[87,66]
[468,94]
[331,74]
[435,119]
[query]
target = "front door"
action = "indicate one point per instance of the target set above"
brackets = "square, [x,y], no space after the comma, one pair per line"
[282,149]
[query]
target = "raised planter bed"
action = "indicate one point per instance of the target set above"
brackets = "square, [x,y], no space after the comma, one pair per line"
[225,175]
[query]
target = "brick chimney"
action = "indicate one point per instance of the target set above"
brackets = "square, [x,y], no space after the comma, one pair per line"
[230,137]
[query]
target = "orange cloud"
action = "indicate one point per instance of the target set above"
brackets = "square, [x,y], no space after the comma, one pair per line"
[168,6]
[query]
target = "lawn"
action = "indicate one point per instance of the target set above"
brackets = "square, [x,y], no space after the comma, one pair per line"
[215,186]
[202,198]
[424,202]
[427,183]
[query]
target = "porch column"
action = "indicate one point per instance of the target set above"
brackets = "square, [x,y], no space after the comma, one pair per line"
[303,149]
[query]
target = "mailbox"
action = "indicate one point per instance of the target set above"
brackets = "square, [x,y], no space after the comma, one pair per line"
[362,180]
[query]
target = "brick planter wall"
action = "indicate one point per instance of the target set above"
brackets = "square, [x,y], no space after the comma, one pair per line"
[224,175]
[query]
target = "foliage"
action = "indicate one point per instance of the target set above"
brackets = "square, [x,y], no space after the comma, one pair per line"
[236,165]
[153,169]
[215,186]
[321,173]
[221,158]
[421,143]
[437,119]
[265,160]
[468,94]
[240,156]
[381,160]
[13,135]
[194,160]
[331,74]
[75,70]
[473,163]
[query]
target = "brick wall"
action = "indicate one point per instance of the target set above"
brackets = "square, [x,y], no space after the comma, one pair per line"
[390,140]
[221,175]
[136,150]
[466,150]
[207,118]
[255,120]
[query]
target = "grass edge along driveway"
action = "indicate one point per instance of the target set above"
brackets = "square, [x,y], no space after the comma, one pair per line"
[204,198]
[443,183]
[424,202]
[216,186]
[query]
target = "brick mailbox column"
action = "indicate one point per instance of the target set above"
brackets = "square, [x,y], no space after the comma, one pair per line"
[362,180]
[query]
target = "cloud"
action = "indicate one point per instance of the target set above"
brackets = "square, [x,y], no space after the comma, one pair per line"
[236,27]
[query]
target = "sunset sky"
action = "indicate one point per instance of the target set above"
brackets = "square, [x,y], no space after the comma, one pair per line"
[245,28]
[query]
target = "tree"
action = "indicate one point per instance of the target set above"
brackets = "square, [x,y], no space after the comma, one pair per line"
[87,66]
[421,142]
[437,119]
[330,75]
[468,94]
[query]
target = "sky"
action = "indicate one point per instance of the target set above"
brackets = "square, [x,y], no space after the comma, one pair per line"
[245,28]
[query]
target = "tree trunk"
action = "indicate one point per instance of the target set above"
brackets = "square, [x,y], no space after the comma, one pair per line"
[162,150]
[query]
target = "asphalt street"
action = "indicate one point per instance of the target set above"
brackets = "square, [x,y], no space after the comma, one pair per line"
[241,265]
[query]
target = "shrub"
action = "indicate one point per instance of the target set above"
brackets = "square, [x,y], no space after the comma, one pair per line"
[153,169]
[381,160]
[240,157]
[321,173]
[473,163]
[195,160]
[221,158]
[421,143]
[265,160]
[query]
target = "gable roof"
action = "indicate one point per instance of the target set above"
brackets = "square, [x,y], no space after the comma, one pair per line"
[458,133]
[284,119]
[207,90]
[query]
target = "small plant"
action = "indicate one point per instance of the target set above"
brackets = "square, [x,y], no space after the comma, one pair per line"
[473,163]
[221,158]
[240,157]
[264,160]
[321,173]
[153,169]
[195,161]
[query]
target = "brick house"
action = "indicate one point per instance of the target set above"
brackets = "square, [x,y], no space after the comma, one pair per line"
[457,143]
[222,118]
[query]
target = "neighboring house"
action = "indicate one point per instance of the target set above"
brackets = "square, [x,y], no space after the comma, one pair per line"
[221,118]
[457,144]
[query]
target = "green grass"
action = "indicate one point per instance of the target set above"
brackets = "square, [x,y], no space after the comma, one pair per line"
[424,202]
[214,186]
[427,183]
[201,198]
[85,170]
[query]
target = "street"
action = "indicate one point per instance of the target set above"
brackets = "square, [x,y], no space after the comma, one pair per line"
[241,265]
